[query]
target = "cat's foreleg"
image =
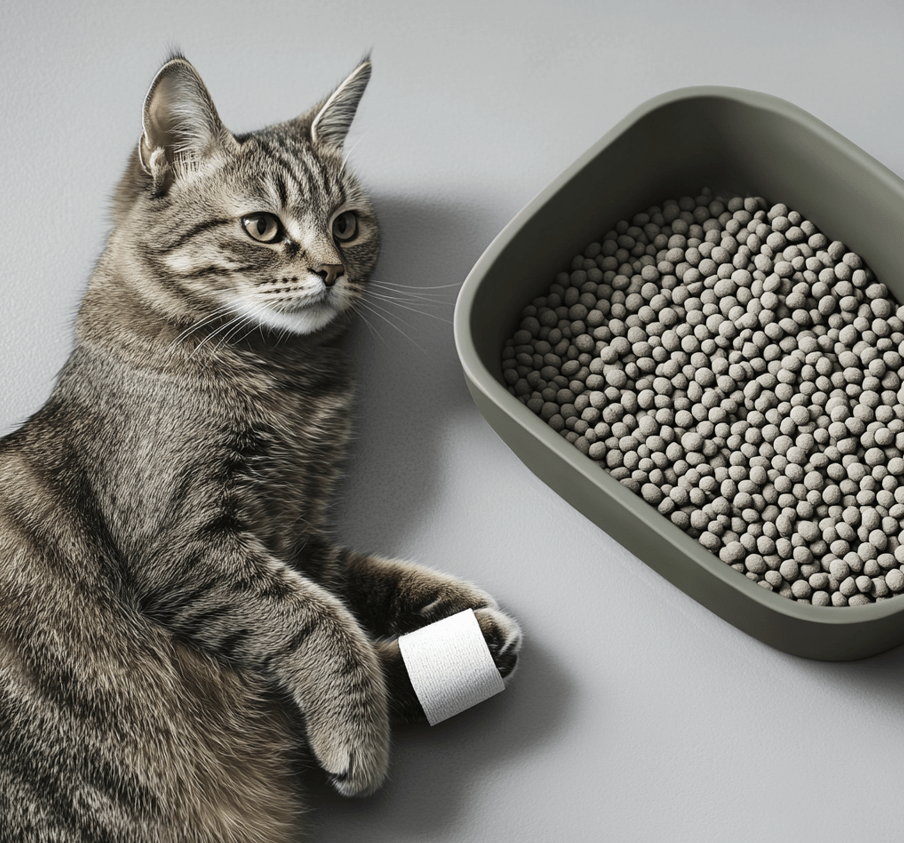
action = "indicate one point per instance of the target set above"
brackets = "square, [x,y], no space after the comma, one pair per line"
[391,597]
[255,612]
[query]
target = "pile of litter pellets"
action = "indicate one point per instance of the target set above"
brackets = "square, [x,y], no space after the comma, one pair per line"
[741,373]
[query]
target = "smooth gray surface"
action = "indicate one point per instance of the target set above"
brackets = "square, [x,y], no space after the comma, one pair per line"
[637,714]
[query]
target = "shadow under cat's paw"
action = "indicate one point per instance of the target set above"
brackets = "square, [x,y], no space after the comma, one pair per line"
[429,795]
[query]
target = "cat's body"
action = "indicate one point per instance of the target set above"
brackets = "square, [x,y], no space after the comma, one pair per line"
[176,623]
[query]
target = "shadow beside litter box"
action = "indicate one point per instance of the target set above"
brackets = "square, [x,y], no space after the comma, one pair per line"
[879,678]
[409,378]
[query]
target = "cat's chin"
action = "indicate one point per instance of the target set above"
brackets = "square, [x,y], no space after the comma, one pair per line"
[308,320]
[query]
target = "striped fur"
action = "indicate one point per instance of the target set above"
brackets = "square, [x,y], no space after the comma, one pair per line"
[177,626]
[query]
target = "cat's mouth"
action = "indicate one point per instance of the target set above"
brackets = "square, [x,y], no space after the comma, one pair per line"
[316,299]
[302,313]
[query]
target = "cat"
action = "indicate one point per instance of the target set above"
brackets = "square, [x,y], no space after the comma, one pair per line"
[177,626]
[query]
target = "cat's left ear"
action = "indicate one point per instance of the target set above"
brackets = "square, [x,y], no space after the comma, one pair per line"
[181,125]
[334,118]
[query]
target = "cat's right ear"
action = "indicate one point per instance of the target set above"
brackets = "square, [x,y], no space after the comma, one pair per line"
[181,125]
[334,117]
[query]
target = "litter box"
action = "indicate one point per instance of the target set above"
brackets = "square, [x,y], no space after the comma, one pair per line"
[737,142]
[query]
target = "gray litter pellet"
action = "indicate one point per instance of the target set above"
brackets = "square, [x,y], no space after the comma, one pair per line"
[894,579]
[739,371]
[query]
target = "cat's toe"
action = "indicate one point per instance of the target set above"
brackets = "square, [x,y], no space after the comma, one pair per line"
[447,597]
[503,637]
[361,776]
[456,597]
[355,770]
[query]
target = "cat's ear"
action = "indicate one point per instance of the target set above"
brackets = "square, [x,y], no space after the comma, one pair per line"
[334,118]
[181,124]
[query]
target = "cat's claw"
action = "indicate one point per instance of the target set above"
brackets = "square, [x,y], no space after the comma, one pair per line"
[503,637]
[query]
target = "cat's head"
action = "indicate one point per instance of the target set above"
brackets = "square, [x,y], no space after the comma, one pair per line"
[268,229]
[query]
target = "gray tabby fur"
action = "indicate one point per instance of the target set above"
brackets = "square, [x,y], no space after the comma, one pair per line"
[177,626]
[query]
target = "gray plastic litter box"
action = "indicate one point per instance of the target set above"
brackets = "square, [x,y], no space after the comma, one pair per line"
[736,142]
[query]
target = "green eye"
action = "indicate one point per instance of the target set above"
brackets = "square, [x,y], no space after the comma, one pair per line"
[345,226]
[262,226]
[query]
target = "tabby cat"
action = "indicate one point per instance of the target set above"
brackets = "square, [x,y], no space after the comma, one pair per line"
[177,626]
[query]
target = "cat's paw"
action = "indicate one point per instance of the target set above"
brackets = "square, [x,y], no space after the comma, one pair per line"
[355,771]
[436,596]
[339,687]
[503,637]
[501,632]
[353,751]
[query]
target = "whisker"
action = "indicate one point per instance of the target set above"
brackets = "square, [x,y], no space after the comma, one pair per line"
[398,303]
[371,328]
[210,337]
[412,286]
[245,319]
[412,294]
[371,307]
[283,334]
[210,317]
[255,324]
[408,298]
[226,326]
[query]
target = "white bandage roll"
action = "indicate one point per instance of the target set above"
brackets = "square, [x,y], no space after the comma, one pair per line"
[450,666]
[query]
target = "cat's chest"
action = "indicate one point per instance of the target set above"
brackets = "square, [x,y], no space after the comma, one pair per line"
[276,419]
[266,445]
[297,440]
[300,433]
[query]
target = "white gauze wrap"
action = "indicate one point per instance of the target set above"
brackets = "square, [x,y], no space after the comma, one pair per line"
[450,666]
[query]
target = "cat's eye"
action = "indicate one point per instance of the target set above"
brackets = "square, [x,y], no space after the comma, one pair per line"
[262,226]
[345,226]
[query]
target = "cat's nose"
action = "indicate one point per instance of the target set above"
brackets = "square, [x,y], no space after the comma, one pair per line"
[329,272]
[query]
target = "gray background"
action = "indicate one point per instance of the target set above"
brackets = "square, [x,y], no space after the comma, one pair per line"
[637,715]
